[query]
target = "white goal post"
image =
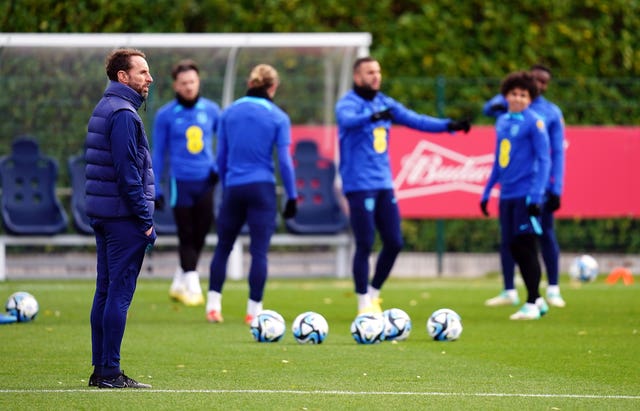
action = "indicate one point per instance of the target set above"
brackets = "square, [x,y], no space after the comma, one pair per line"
[352,44]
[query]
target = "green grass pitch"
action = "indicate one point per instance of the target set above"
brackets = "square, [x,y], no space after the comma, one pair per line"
[585,356]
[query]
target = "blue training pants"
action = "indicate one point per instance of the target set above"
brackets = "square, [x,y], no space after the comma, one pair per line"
[254,204]
[120,248]
[370,210]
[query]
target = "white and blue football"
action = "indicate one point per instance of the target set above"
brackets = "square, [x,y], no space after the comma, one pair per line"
[23,306]
[368,328]
[310,328]
[397,324]
[584,268]
[268,326]
[444,325]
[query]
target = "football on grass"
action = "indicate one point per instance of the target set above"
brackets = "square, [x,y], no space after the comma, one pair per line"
[23,306]
[397,324]
[310,328]
[267,326]
[584,268]
[444,325]
[368,328]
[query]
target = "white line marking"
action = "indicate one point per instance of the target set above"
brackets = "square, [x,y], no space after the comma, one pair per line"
[318,392]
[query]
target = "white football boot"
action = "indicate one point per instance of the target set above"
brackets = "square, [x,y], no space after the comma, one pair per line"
[506,297]
[177,285]
[192,295]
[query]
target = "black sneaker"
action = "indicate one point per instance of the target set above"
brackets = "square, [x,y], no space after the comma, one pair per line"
[121,381]
[94,380]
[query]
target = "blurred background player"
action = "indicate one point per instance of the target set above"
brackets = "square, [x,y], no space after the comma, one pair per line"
[554,122]
[183,134]
[521,167]
[250,129]
[364,116]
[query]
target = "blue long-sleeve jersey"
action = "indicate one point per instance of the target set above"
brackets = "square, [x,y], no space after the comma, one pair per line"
[250,129]
[553,120]
[364,154]
[186,136]
[522,159]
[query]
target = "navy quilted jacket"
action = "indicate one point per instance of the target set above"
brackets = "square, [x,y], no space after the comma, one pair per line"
[120,182]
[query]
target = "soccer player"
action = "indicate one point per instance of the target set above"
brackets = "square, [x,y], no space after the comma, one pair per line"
[554,121]
[251,128]
[364,116]
[183,133]
[120,194]
[521,167]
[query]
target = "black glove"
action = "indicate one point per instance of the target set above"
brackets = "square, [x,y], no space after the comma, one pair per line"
[483,207]
[459,125]
[553,202]
[213,178]
[290,209]
[498,107]
[534,210]
[159,202]
[382,115]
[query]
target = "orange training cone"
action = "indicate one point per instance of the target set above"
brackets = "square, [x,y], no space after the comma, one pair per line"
[620,273]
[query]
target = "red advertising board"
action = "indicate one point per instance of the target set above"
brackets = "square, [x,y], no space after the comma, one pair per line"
[443,175]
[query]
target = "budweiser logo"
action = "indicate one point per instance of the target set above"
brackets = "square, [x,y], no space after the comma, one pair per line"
[432,169]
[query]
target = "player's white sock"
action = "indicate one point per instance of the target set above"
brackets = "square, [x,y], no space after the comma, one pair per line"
[253,307]
[374,293]
[553,289]
[214,301]
[364,301]
[513,294]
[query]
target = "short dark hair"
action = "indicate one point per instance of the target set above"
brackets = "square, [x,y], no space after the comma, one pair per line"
[520,79]
[182,66]
[541,67]
[120,59]
[361,61]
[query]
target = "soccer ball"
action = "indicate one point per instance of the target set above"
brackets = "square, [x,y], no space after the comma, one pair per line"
[368,328]
[23,306]
[584,268]
[444,325]
[267,326]
[397,324]
[310,328]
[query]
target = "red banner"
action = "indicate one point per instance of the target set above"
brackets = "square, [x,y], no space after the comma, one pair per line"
[443,175]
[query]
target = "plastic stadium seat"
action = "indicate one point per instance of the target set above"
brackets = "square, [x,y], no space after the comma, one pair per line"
[29,202]
[76,166]
[318,209]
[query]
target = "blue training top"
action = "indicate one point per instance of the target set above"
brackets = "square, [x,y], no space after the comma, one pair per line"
[249,130]
[553,120]
[186,136]
[522,160]
[364,145]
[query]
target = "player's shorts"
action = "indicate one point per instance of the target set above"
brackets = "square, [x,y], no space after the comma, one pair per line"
[515,219]
[188,193]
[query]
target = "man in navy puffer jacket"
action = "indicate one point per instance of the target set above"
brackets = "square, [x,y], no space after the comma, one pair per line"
[119,197]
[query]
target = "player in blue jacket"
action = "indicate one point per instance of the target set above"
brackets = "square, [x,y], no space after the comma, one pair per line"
[554,121]
[251,128]
[364,117]
[183,134]
[521,167]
